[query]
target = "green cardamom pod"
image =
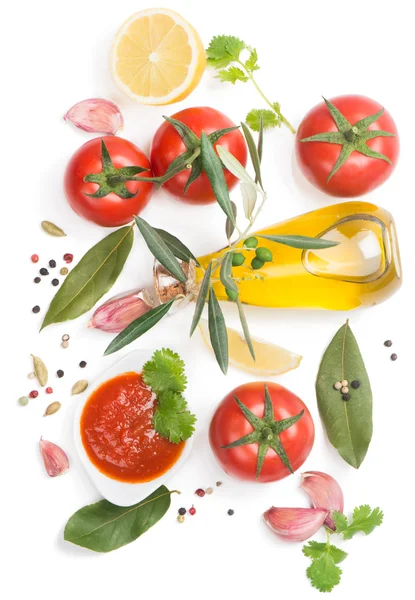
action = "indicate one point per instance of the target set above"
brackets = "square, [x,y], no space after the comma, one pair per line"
[52,409]
[52,229]
[79,387]
[40,370]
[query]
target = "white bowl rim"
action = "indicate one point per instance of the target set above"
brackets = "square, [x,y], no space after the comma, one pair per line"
[118,492]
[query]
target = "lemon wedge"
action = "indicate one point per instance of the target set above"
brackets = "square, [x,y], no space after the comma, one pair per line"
[157,57]
[269,358]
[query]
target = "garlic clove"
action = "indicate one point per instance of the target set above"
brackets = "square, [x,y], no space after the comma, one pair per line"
[324,492]
[295,524]
[115,314]
[96,115]
[54,458]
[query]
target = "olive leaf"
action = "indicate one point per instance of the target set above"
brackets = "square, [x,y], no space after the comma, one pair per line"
[213,168]
[226,273]
[103,527]
[254,151]
[348,423]
[138,327]
[249,198]
[160,249]
[179,250]
[303,242]
[92,277]
[229,226]
[201,298]
[245,328]
[233,165]
[217,332]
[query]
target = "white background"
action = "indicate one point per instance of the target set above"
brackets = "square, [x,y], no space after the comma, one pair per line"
[55,54]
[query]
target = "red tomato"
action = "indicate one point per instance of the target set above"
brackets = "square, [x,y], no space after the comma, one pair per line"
[229,424]
[168,145]
[111,210]
[360,173]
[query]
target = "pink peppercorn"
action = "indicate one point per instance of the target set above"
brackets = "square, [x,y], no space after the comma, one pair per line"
[34,394]
[68,258]
[192,511]
[34,258]
[200,492]
[49,390]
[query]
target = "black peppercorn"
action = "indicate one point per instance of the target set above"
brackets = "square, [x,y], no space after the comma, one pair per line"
[43,271]
[82,364]
[52,264]
[36,309]
[231,512]
[355,384]
[388,343]
[345,397]
[182,511]
[55,282]
[394,356]
[37,280]
[60,373]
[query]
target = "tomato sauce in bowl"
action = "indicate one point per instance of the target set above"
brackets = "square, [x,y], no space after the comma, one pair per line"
[117,431]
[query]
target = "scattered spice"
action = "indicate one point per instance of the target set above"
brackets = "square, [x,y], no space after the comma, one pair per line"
[388,343]
[68,258]
[55,282]
[49,390]
[34,394]
[31,376]
[36,309]
[37,280]
[346,397]
[43,271]
[182,511]
[192,511]
[52,409]
[345,383]
[82,364]
[34,258]
[52,264]
[54,458]
[394,356]
[231,512]
[180,518]
[65,337]
[355,384]
[23,401]
[64,271]
[65,344]
[60,373]
[345,390]
[338,385]
[218,483]
[79,387]
[199,492]
[209,490]
[40,370]
[52,229]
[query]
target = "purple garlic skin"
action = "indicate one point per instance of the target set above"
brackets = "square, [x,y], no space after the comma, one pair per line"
[295,524]
[115,314]
[54,458]
[96,115]
[324,492]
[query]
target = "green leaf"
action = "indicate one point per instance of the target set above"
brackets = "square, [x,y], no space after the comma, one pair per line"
[138,327]
[364,519]
[179,250]
[224,49]
[340,521]
[233,165]
[253,151]
[92,277]
[269,119]
[195,173]
[160,249]
[232,75]
[323,573]
[245,328]
[342,123]
[190,139]
[216,135]
[226,273]
[230,227]
[217,332]
[172,420]
[251,64]
[103,527]
[348,423]
[201,299]
[315,549]
[302,242]
[165,372]
[213,167]
[260,138]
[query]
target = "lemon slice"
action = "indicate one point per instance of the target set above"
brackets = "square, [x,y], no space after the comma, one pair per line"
[270,359]
[157,57]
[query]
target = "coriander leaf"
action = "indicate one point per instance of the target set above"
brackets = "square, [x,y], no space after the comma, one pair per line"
[323,573]
[251,63]
[171,419]
[340,521]
[316,550]
[233,74]
[269,119]
[364,519]
[165,371]
[223,50]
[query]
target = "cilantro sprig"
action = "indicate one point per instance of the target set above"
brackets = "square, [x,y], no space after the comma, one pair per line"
[165,374]
[236,61]
[324,572]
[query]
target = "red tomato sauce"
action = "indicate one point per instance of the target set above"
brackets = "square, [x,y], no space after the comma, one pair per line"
[117,431]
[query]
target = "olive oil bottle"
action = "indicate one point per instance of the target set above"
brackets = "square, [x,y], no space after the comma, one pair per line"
[362,270]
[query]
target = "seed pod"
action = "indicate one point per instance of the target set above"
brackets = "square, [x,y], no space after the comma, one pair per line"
[79,387]
[52,229]
[52,409]
[40,370]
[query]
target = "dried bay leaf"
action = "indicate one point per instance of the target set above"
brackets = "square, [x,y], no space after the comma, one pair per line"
[40,370]
[348,423]
[79,387]
[92,277]
[52,229]
[103,527]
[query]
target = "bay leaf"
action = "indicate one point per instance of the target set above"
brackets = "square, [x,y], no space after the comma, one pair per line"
[52,229]
[348,423]
[93,276]
[217,331]
[103,527]
[40,370]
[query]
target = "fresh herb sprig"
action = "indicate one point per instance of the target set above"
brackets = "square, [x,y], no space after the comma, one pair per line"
[324,572]
[167,249]
[236,61]
[165,374]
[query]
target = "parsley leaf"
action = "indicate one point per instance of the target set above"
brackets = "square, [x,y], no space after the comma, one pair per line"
[165,371]
[323,572]
[171,419]
[223,50]
[233,74]
[251,64]
[364,519]
[269,119]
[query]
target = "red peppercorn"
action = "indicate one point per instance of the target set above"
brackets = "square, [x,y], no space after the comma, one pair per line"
[192,511]
[200,492]
[34,258]
[68,258]
[49,390]
[34,394]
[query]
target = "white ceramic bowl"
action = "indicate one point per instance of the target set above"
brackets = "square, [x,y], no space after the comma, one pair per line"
[119,492]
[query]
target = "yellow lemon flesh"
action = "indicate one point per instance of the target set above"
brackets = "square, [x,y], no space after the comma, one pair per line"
[269,358]
[157,57]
